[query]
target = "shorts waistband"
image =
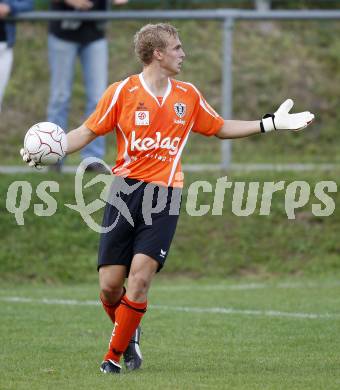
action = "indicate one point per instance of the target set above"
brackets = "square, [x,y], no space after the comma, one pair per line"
[130,181]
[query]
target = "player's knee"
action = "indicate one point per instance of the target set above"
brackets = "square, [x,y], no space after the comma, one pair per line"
[111,293]
[138,286]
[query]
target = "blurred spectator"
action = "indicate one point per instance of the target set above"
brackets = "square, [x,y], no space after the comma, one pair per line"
[68,39]
[7,38]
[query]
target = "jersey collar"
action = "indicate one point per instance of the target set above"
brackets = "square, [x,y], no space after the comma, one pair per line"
[147,89]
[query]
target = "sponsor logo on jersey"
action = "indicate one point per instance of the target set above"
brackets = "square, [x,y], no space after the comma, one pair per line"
[180,109]
[179,121]
[149,143]
[142,118]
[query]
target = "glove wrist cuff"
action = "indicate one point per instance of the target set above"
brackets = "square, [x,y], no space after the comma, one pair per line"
[267,123]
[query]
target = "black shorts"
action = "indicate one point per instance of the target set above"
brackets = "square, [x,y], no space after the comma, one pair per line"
[139,217]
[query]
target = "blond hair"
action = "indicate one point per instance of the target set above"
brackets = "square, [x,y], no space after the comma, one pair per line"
[151,37]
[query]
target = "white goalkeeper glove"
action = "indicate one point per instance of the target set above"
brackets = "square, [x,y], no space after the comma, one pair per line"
[282,120]
[27,159]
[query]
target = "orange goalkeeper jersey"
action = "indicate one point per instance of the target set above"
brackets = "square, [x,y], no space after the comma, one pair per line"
[151,131]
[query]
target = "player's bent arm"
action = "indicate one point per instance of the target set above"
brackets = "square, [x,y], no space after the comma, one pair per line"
[238,129]
[78,138]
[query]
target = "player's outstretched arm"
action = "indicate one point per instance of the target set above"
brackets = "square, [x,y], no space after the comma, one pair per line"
[78,138]
[238,129]
[280,120]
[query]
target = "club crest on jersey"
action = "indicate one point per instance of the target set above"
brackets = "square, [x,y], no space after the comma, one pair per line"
[142,118]
[180,109]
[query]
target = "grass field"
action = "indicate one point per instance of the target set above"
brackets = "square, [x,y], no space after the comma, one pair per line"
[260,335]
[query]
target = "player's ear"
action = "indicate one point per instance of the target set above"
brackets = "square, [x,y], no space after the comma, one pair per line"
[158,54]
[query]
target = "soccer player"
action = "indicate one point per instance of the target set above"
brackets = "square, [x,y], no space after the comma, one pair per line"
[153,115]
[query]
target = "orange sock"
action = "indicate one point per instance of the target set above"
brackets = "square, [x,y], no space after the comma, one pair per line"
[128,316]
[111,308]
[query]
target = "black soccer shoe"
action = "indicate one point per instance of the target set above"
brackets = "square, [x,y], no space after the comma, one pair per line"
[133,356]
[110,367]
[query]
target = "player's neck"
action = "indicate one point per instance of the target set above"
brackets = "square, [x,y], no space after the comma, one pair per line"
[156,80]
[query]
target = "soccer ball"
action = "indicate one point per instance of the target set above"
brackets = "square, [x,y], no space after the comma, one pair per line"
[46,143]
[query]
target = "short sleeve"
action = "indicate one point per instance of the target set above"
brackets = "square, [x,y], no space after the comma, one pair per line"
[207,121]
[104,119]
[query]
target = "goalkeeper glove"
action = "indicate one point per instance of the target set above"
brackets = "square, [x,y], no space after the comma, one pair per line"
[282,120]
[27,159]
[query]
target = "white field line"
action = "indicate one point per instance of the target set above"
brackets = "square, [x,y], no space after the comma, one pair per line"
[211,310]
[246,286]
[210,287]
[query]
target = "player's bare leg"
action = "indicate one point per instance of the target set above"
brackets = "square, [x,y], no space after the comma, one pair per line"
[129,314]
[143,269]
